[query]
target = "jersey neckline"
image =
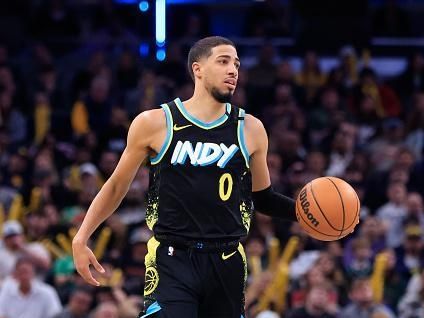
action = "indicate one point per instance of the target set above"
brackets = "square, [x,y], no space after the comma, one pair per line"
[199,122]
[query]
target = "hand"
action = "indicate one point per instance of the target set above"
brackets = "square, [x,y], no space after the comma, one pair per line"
[83,257]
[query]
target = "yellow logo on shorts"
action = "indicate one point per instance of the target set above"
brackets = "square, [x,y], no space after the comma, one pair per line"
[152,280]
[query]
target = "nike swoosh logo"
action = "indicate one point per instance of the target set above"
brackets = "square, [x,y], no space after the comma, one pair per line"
[224,257]
[176,128]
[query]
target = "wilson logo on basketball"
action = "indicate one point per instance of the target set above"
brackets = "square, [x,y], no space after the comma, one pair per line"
[305,207]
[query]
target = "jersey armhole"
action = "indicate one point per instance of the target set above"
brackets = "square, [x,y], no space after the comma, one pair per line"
[169,135]
[240,137]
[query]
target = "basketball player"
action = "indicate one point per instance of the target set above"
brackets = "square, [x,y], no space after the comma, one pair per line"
[206,158]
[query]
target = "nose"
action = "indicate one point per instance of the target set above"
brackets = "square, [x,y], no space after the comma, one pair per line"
[232,70]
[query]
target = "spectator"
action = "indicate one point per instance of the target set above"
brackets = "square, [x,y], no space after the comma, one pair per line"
[393,213]
[268,314]
[411,80]
[127,72]
[149,92]
[388,103]
[391,139]
[133,208]
[93,112]
[24,296]
[315,165]
[81,80]
[107,163]
[106,310]
[414,209]
[371,230]
[16,171]
[173,69]
[133,261]
[12,119]
[410,255]
[363,305]
[316,305]
[395,282]
[341,149]
[415,126]
[310,78]
[314,277]
[261,77]
[15,247]
[412,304]
[322,118]
[78,306]
[113,137]
[361,263]
[333,272]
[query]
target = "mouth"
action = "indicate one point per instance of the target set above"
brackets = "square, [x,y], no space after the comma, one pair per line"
[231,82]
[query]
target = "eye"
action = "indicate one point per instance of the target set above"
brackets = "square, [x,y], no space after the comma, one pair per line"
[222,61]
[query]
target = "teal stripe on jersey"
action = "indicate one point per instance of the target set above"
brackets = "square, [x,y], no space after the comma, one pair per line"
[241,140]
[153,308]
[169,134]
[198,122]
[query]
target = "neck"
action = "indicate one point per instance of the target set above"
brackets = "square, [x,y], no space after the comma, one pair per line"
[203,106]
[365,305]
[312,310]
[25,288]
[12,248]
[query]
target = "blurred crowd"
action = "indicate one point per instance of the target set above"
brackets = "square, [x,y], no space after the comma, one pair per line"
[63,126]
[323,25]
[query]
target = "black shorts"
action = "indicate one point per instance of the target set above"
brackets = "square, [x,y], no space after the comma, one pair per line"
[193,283]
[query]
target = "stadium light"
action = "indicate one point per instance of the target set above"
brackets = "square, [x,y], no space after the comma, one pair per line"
[160,21]
[144,49]
[143,6]
[160,54]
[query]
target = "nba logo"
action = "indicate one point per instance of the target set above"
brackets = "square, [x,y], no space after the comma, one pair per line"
[170,251]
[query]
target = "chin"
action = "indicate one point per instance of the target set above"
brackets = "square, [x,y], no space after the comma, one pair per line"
[222,96]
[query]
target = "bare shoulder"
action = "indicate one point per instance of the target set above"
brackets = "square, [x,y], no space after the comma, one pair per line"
[150,120]
[253,124]
[148,127]
[256,136]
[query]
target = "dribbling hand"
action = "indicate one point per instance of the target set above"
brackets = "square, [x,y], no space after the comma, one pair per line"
[83,257]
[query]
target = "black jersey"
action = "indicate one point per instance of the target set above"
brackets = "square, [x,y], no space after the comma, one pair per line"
[200,182]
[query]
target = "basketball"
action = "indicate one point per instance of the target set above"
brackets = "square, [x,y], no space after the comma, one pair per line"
[327,208]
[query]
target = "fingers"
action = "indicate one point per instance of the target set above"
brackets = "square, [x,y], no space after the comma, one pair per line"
[86,274]
[96,264]
[83,267]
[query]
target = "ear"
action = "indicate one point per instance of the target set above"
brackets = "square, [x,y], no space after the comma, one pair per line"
[197,69]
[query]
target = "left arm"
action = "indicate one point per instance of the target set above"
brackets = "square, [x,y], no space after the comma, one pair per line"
[265,199]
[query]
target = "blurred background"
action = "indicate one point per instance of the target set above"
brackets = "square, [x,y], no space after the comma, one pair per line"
[339,86]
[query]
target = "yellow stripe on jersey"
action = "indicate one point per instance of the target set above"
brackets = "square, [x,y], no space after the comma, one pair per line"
[152,276]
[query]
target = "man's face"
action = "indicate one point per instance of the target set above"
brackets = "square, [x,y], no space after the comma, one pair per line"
[317,298]
[80,303]
[362,294]
[14,242]
[219,72]
[24,273]
[414,203]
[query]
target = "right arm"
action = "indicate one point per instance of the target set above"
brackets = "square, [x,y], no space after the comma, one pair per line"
[141,135]
[265,199]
